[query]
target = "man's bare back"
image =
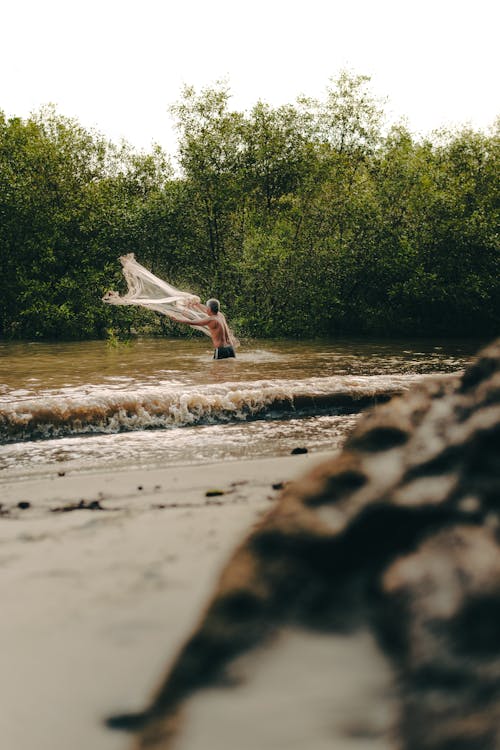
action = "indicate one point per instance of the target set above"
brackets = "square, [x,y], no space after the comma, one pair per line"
[218,330]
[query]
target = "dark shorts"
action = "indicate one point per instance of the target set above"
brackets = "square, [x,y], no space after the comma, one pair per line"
[224,352]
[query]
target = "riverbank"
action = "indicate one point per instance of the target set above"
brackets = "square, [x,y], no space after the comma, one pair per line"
[104,575]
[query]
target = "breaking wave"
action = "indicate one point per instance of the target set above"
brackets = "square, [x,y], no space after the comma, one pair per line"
[110,411]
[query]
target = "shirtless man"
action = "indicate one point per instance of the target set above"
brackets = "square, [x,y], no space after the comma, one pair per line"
[222,337]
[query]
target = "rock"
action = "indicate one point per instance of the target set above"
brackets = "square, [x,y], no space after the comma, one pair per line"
[24,505]
[373,586]
[298,451]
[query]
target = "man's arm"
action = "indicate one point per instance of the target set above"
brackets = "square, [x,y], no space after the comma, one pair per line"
[197,306]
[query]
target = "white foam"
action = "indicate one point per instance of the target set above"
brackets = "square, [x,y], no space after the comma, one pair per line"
[109,410]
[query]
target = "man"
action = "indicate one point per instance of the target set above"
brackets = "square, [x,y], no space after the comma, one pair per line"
[222,337]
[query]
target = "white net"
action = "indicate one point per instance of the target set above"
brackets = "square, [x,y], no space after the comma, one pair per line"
[147,290]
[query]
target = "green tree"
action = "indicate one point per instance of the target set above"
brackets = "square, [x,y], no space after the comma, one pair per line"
[210,148]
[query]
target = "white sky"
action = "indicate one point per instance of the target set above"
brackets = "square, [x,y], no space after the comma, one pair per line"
[117,65]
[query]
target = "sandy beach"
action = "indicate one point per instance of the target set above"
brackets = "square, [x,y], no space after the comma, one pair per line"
[97,599]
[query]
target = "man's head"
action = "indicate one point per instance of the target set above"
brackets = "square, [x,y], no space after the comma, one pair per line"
[213,306]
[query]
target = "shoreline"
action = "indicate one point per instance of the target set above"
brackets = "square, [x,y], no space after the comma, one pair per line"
[96,602]
[143,483]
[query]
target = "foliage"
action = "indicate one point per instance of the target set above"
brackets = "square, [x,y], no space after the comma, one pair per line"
[304,219]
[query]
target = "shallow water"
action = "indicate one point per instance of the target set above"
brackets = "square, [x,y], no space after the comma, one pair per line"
[153,402]
[28,369]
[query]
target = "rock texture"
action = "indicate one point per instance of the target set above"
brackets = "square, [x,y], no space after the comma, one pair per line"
[398,538]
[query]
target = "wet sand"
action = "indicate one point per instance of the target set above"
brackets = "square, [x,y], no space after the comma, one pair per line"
[103,576]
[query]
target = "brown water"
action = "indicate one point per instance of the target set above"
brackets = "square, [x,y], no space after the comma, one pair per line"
[89,405]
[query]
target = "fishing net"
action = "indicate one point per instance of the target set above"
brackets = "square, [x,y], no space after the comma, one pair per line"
[147,290]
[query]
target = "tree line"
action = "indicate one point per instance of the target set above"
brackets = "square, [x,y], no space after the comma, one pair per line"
[304,219]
